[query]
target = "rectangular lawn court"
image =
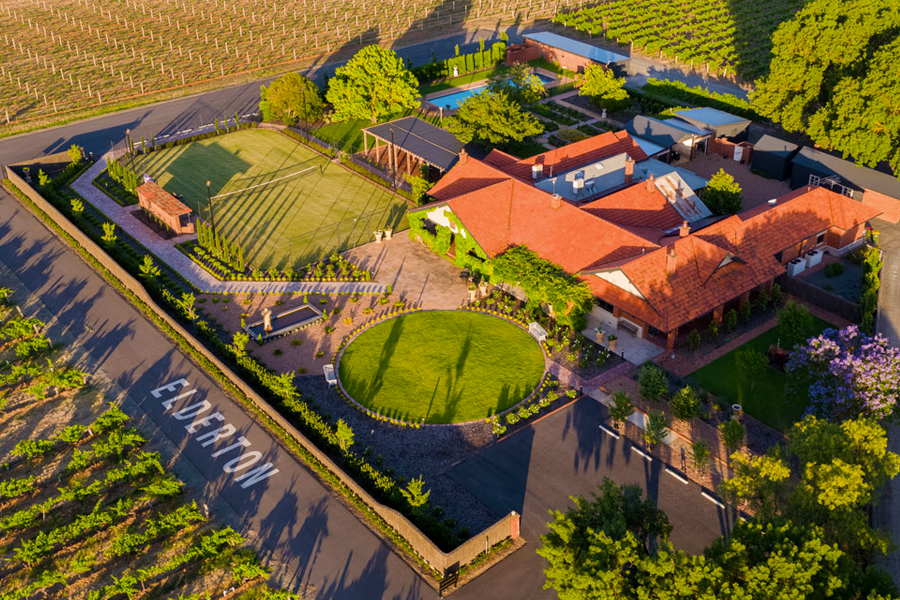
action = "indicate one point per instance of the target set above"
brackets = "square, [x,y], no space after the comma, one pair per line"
[282,202]
[767,400]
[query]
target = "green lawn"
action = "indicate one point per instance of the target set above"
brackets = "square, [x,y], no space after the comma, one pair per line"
[443,366]
[766,400]
[299,219]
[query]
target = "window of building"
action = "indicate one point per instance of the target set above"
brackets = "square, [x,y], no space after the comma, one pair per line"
[430,226]
[603,304]
[820,238]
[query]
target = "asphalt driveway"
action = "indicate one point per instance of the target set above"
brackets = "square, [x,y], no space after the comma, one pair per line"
[566,454]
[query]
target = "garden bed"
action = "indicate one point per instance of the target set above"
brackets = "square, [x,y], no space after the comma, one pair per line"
[154,225]
[333,268]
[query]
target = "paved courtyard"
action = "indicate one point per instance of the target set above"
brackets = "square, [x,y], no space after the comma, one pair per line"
[420,277]
[757,189]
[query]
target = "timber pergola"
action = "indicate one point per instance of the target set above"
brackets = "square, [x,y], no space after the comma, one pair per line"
[404,145]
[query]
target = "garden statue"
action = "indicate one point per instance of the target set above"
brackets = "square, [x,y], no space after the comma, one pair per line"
[267,320]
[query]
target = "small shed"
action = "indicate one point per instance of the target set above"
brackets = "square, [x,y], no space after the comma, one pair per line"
[773,156]
[162,205]
[572,54]
[721,123]
[676,135]
[404,145]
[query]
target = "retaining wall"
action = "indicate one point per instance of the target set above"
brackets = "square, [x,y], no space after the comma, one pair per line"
[443,562]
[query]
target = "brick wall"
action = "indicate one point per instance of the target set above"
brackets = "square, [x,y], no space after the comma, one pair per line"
[723,147]
[566,60]
[430,553]
[890,206]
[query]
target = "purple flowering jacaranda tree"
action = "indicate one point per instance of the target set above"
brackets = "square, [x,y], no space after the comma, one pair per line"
[846,374]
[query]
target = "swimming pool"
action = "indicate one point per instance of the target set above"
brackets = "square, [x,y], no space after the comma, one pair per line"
[453,100]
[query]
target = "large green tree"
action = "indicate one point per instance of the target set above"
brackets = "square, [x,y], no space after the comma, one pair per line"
[492,119]
[520,83]
[374,84]
[723,195]
[840,468]
[291,98]
[834,76]
[594,548]
[603,87]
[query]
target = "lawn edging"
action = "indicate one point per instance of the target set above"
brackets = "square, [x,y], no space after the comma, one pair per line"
[356,332]
[418,550]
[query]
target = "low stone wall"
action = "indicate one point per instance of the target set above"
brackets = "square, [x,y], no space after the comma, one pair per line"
[443,562]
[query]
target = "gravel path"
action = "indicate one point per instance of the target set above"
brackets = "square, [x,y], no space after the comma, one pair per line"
[430,451]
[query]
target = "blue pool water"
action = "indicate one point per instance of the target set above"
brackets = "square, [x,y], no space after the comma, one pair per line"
[453,100]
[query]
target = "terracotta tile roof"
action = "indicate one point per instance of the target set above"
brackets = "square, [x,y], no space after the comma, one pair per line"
[500,159]
[726,259]
[466,176]
[167,203]
[578,154]
[636,206]
[514,213]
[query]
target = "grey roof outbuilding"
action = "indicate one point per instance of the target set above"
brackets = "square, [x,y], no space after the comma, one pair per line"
[667,132]
[721,123]
[817,162]
[435,146]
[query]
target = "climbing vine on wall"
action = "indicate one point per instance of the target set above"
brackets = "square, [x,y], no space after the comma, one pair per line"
[545,282]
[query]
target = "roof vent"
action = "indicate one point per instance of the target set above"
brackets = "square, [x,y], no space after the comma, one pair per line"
[537,171]
[773,201]
[555,201]
[578,185]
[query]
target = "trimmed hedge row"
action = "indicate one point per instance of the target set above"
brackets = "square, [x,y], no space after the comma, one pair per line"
[675,93]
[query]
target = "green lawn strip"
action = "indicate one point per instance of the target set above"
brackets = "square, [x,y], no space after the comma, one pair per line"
[188,347]
[296,220]
[443,366]
[766,400]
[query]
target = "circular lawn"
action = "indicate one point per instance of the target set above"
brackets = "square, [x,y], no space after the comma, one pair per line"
[444,366]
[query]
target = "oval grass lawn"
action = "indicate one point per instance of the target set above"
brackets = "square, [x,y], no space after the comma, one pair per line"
[444,366]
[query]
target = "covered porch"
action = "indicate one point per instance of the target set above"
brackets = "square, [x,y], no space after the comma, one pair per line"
[410,146]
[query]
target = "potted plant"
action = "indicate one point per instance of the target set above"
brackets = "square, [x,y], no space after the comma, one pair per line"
[483,287]
[378,235]
[598,332]
[473,292]
[613,339]
[388,232]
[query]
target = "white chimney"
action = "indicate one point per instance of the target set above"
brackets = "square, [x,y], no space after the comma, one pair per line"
[537,171]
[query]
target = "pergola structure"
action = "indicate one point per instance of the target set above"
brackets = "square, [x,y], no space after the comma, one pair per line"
[404,145]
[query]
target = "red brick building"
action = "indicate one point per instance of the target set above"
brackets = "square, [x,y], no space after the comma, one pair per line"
[164,206]
[657,264]
[568,53]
